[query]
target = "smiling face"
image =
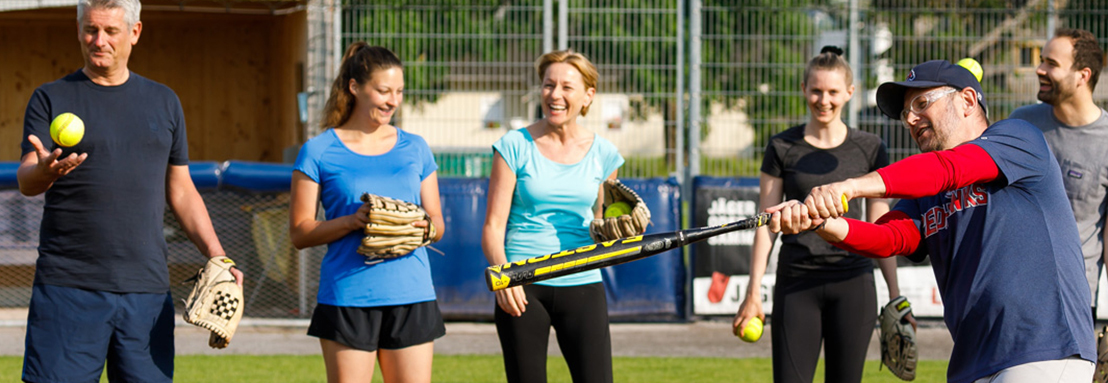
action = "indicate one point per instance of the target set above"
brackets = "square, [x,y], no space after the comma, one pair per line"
[934,126]
[826,91]
[106,39]
[1057,77]
[564,94]
[380,97]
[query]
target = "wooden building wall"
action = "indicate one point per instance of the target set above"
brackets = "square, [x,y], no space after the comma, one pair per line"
[237,75]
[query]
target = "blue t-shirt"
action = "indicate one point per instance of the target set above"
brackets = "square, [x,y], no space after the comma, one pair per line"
[1007,260]
[552,202]
[102,223]
[343,175]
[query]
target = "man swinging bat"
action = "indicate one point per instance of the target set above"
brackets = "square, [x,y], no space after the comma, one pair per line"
[988,205]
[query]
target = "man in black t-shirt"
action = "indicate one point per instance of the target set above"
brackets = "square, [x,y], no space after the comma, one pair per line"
[101,289]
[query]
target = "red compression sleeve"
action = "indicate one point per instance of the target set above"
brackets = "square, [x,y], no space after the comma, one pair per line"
[927,174]
[893,234]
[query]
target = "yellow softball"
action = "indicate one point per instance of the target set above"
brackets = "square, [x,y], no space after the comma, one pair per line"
[67,129]
[973,66]
[617,209]
[752,332]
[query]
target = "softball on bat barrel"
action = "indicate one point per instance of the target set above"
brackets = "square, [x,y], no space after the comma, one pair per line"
[752,332]
[617,209]
[67,129]
[973,66]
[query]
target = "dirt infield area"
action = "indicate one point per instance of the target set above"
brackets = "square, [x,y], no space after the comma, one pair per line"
[704,338]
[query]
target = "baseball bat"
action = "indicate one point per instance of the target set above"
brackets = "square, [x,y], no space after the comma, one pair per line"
[608,253]
[605,254]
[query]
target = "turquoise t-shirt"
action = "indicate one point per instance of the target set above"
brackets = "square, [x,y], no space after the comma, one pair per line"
[343,175]
[552,202]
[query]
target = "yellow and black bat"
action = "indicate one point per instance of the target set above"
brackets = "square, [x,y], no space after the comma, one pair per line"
[604,254]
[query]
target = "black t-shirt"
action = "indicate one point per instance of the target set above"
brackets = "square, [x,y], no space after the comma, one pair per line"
[102,223]
[802,167]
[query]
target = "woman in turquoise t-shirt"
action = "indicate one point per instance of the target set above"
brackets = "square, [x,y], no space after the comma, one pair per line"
[367,313]
[543,193]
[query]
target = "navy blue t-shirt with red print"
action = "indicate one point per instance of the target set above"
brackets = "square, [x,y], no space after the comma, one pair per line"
[1007,260]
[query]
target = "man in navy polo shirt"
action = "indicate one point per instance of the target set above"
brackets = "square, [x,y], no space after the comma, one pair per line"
[101,289]
[987,204]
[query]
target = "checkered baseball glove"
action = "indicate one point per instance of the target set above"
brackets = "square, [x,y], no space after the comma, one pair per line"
[1101,374]
[623,226]
[389,233]
[215,302]
[898,339]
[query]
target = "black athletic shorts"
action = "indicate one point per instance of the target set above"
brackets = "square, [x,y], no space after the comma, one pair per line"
[370,328]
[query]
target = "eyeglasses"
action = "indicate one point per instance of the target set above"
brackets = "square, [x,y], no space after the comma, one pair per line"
[921,102]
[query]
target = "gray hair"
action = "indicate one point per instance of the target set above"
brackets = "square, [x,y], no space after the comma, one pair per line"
[131,8]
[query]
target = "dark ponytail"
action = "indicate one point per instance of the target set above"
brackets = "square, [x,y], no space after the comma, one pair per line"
[830,58]
[358,63]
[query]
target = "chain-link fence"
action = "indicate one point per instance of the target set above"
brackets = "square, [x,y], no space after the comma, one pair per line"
[470,77]
[253,228]
[754,53]
[636,49]
[468,66]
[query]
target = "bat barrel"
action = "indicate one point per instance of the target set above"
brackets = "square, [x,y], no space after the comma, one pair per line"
[604,254]
[571,261]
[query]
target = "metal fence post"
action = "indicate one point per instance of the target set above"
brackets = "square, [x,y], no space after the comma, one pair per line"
[679,98]
[1051,19]
[547,26]
[694,89]
[563,24]
[854,47]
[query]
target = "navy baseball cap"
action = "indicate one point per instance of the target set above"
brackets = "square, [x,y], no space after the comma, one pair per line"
[934,73]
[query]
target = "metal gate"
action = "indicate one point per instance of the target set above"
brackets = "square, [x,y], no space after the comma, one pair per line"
[747,57]
[469,71]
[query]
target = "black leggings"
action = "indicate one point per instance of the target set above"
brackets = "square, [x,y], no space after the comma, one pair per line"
[806,312]
[579,315]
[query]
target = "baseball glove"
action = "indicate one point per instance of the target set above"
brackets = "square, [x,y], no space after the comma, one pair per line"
[1101,374]
[898,339]
[215,302]
[626,225]
[389,233]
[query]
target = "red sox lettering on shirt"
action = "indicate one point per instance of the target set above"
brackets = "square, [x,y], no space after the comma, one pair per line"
[935,219]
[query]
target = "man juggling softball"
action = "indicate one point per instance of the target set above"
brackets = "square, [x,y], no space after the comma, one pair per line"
[101,298]
[987,204]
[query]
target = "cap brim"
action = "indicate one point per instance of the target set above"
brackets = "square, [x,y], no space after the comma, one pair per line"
[890,95]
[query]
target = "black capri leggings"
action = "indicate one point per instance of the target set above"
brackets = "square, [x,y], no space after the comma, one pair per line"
[839,313]
[579,315]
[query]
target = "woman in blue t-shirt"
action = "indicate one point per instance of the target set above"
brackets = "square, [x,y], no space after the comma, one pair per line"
[543,193]
[823,296]
[367,313]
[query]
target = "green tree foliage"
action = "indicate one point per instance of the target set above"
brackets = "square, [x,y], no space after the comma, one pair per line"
[754,55]
[450,44]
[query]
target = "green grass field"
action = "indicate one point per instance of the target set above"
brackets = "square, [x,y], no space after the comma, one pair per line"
[488,368]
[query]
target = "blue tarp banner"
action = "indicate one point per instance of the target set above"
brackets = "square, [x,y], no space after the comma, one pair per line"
[650,289]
